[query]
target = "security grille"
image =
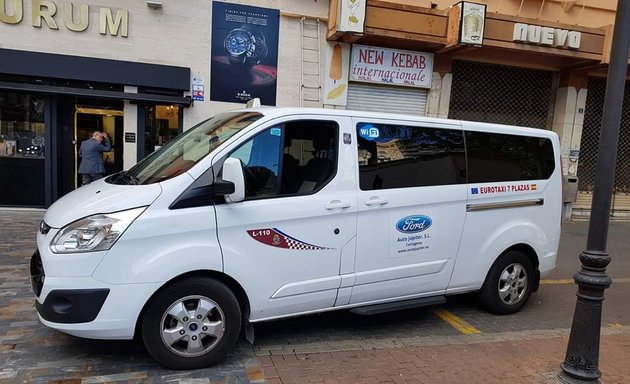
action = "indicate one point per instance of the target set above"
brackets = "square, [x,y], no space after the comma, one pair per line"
[589,145]
[499,94]
[406,100]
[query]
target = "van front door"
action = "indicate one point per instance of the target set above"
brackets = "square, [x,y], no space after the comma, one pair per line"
[284,243]
[411,208]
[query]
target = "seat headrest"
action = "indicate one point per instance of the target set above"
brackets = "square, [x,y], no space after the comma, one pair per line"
[318,169]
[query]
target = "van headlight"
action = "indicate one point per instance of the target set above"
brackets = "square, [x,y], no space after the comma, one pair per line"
[94,233]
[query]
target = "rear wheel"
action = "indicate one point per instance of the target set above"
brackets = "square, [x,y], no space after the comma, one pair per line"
[191,324]
[508,284]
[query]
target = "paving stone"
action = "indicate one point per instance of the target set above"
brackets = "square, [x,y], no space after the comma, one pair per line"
[412,346]
[33,353]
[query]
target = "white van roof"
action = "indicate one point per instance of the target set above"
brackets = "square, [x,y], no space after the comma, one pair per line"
[273,112]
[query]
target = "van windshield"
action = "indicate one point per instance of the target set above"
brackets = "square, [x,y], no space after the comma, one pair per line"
[186,150]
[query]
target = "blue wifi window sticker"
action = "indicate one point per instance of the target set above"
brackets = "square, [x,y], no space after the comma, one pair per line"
[368,131]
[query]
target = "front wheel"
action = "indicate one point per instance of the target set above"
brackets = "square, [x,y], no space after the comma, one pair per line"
[508,284]
[191,324]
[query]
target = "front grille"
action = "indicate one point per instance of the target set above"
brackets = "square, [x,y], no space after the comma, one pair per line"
[37,273]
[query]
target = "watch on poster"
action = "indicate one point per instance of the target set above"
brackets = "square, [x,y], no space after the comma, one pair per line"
[245,46]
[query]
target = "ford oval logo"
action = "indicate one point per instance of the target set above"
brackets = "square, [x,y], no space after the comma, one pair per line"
[413,224]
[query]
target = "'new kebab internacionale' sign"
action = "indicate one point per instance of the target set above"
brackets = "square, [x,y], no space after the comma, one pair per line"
[391,66]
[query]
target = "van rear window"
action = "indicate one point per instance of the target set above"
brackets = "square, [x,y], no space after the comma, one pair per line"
[499,157]
[401,156]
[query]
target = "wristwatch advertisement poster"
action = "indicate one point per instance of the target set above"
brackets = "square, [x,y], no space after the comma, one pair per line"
[244,53]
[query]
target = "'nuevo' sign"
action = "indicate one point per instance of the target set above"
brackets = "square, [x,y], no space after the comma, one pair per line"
[391,66]
[552,37]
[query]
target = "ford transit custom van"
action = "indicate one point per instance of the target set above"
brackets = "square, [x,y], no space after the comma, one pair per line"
[261,214]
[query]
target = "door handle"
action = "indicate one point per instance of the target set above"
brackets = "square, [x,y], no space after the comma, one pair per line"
[375,201]
[337,204]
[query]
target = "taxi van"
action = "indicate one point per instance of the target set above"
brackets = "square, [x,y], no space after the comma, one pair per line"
[259,214]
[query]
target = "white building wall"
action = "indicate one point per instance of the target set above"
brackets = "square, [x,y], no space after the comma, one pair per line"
[568,120]
[439,96]
[130,122]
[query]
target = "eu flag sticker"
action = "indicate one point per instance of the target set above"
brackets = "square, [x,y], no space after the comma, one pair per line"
[474,191]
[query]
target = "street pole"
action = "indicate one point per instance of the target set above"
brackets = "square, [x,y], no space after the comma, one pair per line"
[582,358]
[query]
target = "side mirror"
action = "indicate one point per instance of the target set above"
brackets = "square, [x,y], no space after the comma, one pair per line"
[233,172]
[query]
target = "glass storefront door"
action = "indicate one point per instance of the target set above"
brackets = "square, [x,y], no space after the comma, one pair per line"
[86,121]
[22,149]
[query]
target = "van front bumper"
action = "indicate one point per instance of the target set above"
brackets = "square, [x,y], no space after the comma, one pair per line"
[87,307]
[71,306]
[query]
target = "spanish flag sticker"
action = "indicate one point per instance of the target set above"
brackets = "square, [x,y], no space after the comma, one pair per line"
[533,187]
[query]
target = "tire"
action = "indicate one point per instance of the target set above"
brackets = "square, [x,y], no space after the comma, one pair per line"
[508,285]
[191,324]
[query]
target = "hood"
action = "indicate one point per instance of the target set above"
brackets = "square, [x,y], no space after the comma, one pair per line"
[99,197]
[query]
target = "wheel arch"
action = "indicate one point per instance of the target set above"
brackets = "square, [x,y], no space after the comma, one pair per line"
[476,256]
[526,249]
[530,253]
[230,282]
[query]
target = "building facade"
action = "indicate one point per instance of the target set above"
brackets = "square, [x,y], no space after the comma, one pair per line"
[145,71]
[140,71]
[538,64]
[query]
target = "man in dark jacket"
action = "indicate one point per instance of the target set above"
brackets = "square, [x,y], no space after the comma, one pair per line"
[91,153]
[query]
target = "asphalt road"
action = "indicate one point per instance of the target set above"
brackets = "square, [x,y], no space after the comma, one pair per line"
[32,353]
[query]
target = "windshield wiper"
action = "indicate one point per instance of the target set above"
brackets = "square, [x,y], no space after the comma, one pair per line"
[124,177]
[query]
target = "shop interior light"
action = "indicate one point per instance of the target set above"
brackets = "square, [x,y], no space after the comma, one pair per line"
[154,4]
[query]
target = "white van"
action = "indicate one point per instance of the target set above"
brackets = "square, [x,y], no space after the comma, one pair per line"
[260,214]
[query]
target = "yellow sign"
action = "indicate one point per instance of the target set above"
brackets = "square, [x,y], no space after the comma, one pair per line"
[336,81]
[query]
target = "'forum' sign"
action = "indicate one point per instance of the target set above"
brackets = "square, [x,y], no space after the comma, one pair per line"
[45,10]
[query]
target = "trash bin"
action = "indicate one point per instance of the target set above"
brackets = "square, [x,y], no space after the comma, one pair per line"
[570,189]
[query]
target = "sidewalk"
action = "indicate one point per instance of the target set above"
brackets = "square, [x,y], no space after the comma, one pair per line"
[513,358]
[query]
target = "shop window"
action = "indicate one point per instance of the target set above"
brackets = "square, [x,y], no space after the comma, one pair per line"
[22,149]
[399,156]
[162,124]
[21,125]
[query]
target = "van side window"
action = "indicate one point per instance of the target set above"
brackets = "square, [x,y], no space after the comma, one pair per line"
[399,156]
[499,157]
[294,158]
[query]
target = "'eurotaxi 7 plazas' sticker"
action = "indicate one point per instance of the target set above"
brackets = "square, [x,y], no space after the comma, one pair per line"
[503,189]
[276,238]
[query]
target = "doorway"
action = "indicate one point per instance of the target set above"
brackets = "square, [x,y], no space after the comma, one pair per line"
[88,120]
